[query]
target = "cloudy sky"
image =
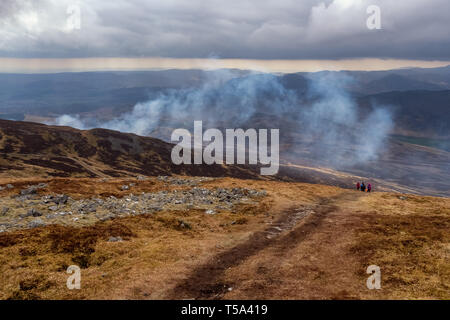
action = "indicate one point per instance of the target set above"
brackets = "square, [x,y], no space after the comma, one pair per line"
[192,29]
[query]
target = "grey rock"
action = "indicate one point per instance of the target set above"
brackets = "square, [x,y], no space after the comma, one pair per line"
[115,239]
[9,186]
[36,223]
[184,224]
[4,211]
[60,199]
[154,208]
[33,212]
[28,191]
[125,187]
[106,217]
[86,207]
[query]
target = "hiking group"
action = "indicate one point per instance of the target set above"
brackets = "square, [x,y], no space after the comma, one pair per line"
[361,186]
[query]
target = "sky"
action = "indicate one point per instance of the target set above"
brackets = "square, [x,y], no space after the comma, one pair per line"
[274,34]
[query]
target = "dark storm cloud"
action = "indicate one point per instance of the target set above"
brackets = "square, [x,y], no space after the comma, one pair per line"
[282,29]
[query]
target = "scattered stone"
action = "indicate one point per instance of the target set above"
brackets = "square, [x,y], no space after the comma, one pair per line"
[85,206]
[28,191]
[60,199]
[115,239]
[4,211]
[33,212]
[184,224]
[107,217]
[125,187]
[36,223]
[402,198]
[9,186]
[33,189]
[60,206]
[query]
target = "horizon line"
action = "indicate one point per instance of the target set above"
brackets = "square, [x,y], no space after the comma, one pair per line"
[109,64]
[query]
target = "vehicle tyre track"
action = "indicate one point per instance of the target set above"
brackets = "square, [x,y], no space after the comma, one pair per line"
[205,282]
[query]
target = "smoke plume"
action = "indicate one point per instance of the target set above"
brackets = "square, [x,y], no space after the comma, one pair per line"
[327,120]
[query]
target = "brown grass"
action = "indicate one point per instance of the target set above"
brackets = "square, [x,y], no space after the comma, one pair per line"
[320,257]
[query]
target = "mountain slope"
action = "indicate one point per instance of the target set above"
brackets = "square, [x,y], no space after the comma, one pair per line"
[28,148]
[416,112]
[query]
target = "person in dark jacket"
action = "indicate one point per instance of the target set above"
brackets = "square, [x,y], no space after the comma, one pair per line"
[369,187]
[363,187]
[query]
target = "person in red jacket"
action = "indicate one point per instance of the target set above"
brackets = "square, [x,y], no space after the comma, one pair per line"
[369,187]
[357,186]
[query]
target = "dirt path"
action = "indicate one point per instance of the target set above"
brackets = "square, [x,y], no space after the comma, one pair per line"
[294,225]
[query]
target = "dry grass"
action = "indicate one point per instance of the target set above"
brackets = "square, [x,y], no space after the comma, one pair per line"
[410,240]
[322,258]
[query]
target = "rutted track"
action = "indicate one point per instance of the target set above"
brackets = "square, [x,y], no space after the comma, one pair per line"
[205,282]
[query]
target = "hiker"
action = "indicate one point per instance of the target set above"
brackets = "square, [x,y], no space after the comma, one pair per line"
[369,187]
[363,187]
[357,186]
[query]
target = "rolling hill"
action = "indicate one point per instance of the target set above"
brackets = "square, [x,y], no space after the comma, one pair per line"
[28,148]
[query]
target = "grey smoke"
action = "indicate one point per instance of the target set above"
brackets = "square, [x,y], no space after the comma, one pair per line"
[328,122]
[337,130]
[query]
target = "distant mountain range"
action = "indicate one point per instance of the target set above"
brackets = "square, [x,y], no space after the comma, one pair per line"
[420,98]
[416,157]
[36,150]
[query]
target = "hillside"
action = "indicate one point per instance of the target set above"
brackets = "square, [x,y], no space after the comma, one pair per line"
[140,227]
[417,113]
[30,149]
[33,149]
[219,238]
